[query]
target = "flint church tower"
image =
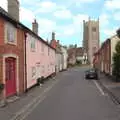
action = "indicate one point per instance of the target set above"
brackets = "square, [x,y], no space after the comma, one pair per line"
[91,38]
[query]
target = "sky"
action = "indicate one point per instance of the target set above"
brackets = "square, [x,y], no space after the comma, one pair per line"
[65,17]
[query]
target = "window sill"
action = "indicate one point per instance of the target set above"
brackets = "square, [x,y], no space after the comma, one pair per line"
[32,50]
[11,43]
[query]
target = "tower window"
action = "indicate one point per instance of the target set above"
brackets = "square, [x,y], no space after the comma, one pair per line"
[94,29]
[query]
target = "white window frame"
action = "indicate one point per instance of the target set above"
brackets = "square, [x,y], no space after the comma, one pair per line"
[33,77]
[42,48]
[31,42]
[7,24]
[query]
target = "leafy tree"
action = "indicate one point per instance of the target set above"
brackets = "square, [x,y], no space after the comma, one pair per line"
[118,32]
[116,62]
[71,46]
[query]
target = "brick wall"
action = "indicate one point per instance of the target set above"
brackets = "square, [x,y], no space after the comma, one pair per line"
[13,49]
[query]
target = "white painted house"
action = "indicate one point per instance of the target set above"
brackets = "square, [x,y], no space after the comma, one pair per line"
[64,57]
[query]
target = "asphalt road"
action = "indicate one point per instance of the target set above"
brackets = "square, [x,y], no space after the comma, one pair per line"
[74,98]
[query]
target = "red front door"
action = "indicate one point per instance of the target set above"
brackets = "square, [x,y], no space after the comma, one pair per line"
[10,76]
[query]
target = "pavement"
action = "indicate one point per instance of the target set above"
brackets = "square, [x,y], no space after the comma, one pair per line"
[15,104]
[67,97]
[112,87]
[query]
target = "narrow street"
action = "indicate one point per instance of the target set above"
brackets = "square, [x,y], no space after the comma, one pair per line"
[74,98]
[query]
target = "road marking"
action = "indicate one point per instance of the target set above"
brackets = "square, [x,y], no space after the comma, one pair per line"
[27,109]
[32,108]
[99,88]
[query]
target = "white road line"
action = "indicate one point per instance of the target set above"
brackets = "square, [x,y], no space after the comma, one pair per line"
[32,105]
[99,88]
[32,108]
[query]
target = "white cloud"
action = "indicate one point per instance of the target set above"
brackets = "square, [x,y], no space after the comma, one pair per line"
[29,2]
[3,4]
[104,20]
[109,32]
[63,14]
[46,26]
[69,32]
[78,19]
[112,4]
[26,15]
[46,7]
[78,3]
[75,27]
[117,16]
[85,1]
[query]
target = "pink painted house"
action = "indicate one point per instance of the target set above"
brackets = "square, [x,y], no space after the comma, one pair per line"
[40,58]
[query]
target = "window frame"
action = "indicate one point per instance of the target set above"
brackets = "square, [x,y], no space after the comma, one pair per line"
[33,77]
[33,42]
[10,27]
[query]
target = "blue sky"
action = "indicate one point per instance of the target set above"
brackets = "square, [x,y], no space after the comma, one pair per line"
[65,17]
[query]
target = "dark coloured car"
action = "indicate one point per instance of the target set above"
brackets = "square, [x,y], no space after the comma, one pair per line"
[91,74]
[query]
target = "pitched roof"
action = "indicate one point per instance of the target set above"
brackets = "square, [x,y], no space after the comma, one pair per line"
[8,17]
[75,52]
[79,51]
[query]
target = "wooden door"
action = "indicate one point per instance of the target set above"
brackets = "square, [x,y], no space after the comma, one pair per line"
[10,75]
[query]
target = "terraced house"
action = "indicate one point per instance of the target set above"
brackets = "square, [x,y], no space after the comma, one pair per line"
[12,63]
[24,56]
[103,59]
[40,57]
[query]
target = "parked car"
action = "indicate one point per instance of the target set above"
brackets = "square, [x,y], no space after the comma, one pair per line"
[91,74]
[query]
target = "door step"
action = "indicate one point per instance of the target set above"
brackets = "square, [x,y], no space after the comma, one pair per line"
[12,99]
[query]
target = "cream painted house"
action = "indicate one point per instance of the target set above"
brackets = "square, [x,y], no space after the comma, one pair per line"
[64,57]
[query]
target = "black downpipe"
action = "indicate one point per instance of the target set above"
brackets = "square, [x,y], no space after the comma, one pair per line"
[25,65]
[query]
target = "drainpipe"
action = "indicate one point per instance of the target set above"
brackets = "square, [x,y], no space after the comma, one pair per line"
[25,66]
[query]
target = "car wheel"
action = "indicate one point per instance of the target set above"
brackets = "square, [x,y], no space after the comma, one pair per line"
[96,78]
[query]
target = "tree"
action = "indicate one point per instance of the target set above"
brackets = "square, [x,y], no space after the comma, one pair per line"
[116,62]
[71,46]
[118,32]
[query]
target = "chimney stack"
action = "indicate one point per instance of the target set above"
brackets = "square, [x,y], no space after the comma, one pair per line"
[53,35]
[13,9]
[35,27]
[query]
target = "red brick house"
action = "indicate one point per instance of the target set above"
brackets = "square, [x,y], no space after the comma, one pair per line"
[72,56]
[102,59]
[104,55]
[11,55]
[76,54]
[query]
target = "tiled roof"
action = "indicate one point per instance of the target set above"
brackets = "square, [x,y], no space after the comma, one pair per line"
[79,51]
[8,17]
[75,52]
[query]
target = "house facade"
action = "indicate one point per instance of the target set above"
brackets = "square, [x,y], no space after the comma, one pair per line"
[11,56]
[59,54]
[77,55]
[40,59]
[64,57]
[24,56]
[103,59]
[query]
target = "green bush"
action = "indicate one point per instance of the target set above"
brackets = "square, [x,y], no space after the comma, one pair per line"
[116,63]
